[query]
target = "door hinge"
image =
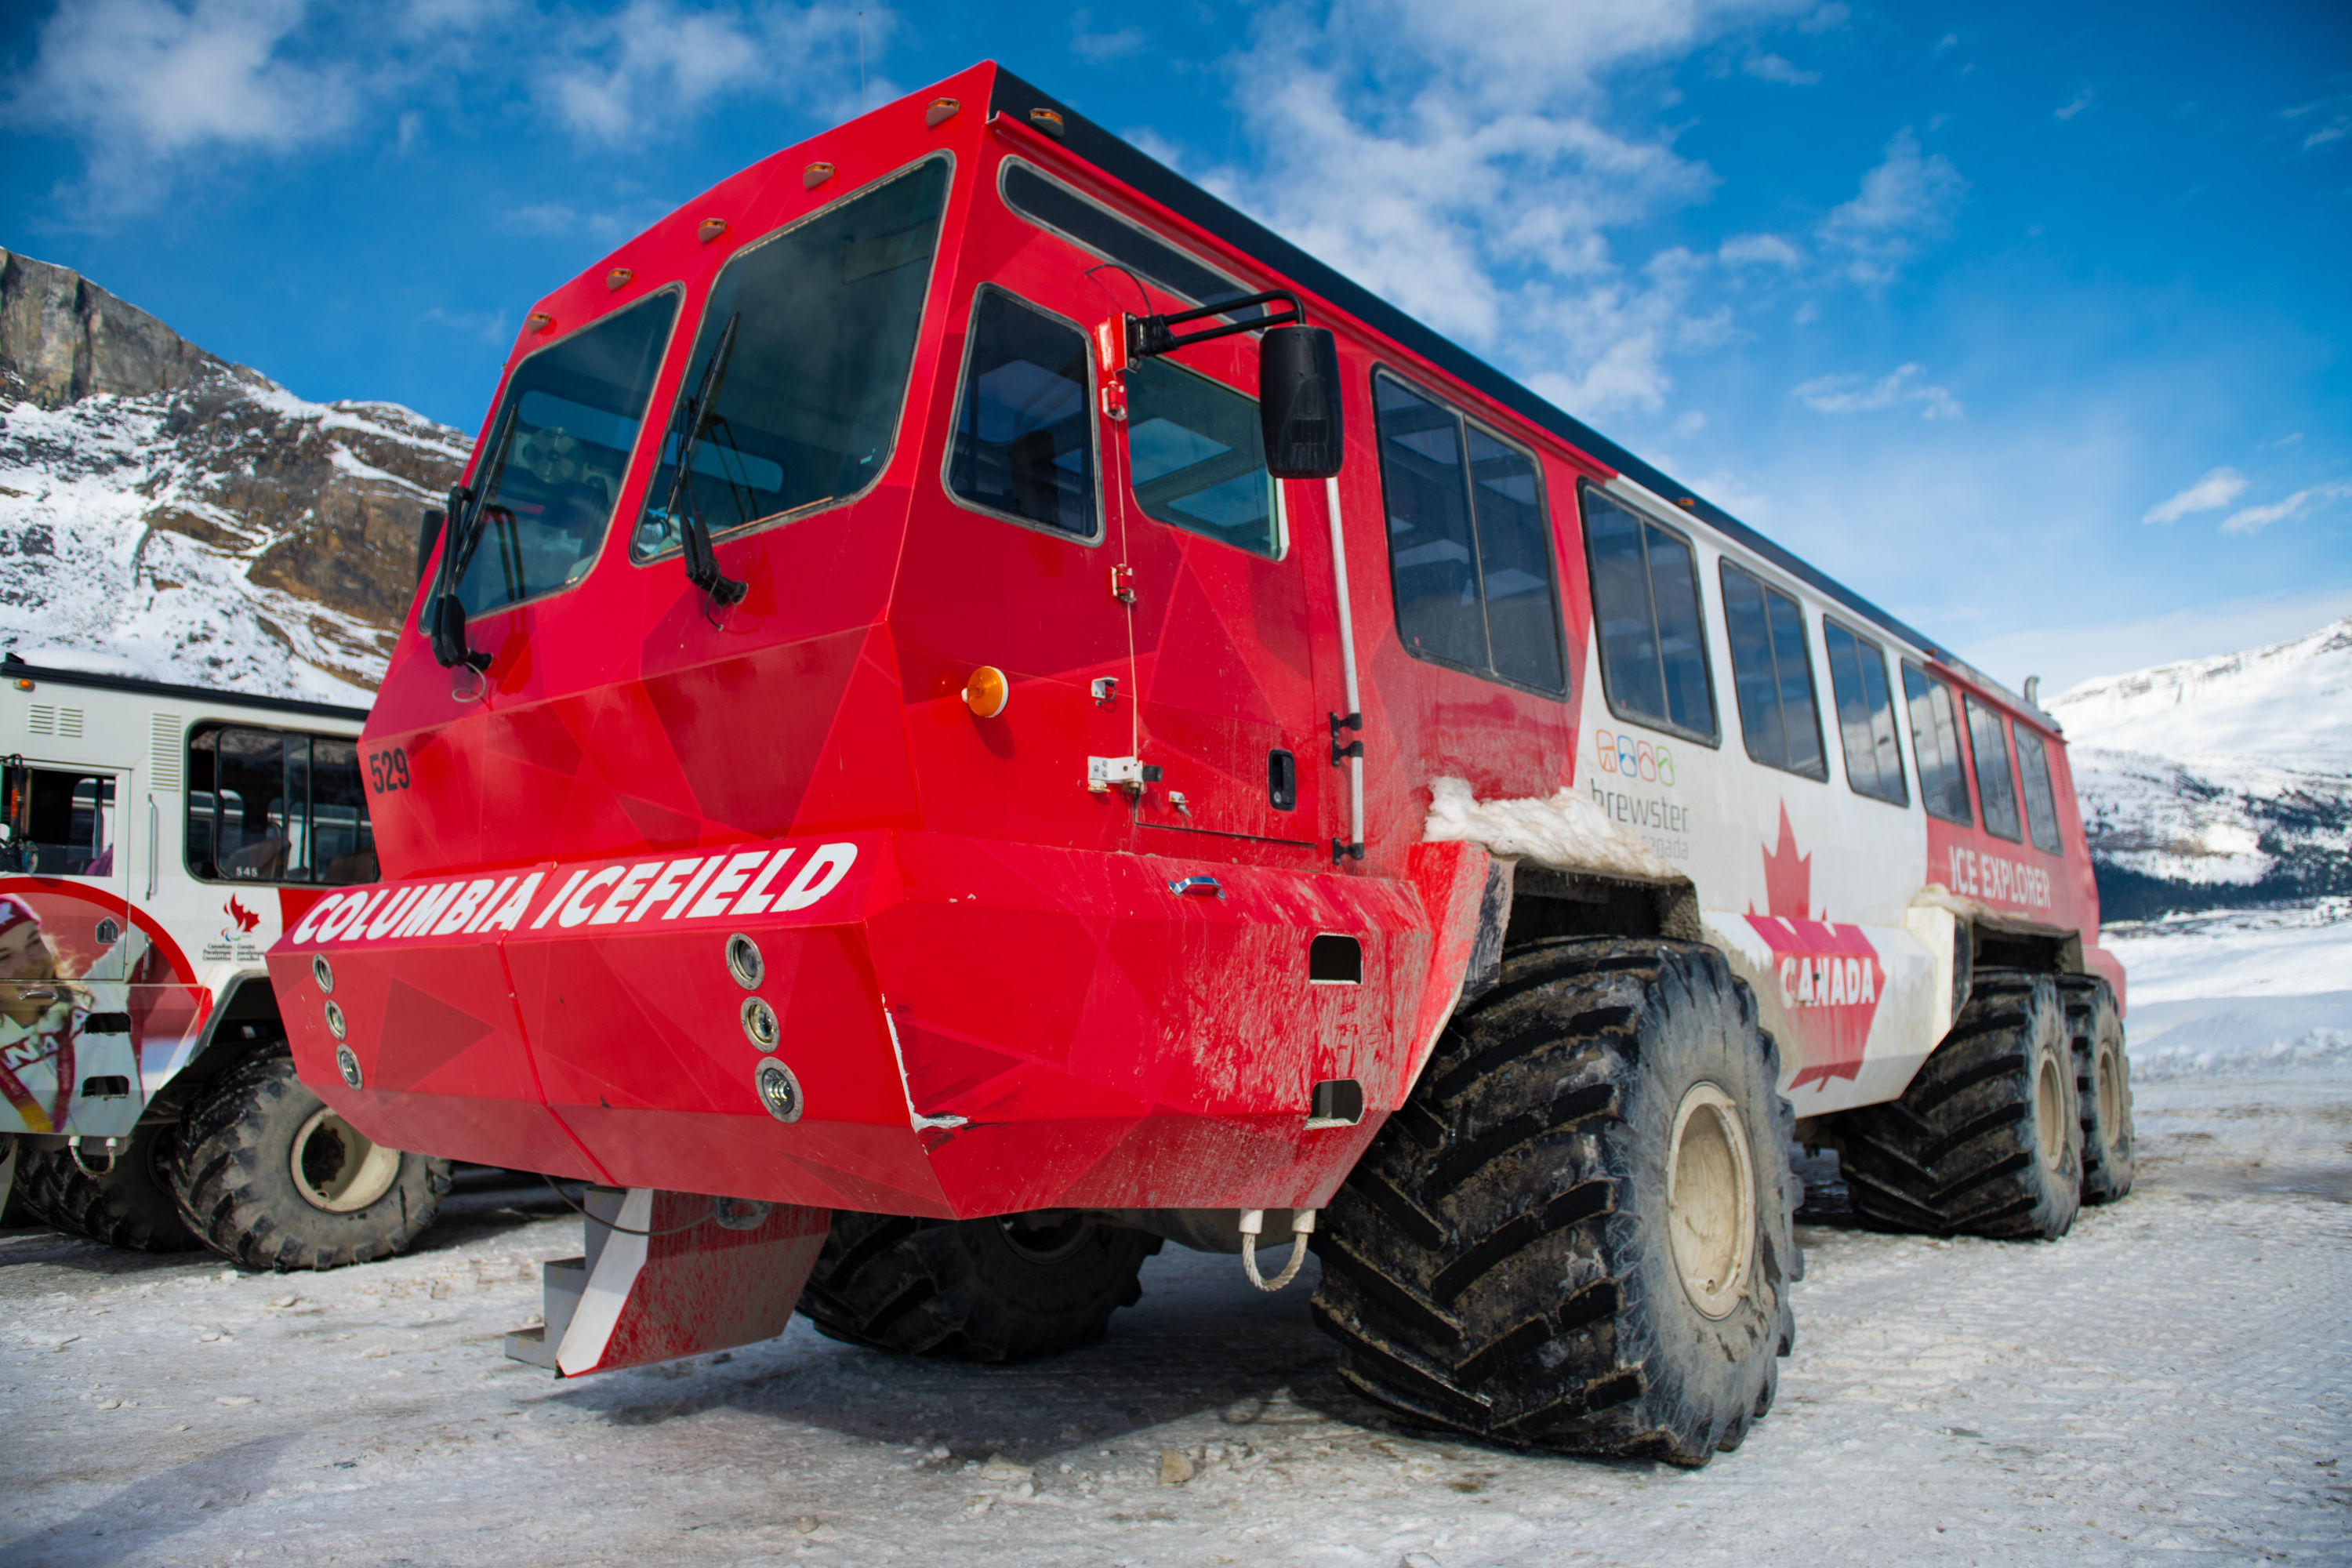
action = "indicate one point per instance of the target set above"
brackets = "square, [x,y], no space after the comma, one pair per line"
[1122,583]
[1104,773]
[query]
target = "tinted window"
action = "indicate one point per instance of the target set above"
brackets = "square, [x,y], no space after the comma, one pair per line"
[1773,674]
[1196,455]
[61,821]
[560,445]
[1996,785]
[1873,762]
[2041,800]
[1469,552]
[1935,747]
[1646,604]
[806,405]
[265,805]
[1025,438]
[1039,199]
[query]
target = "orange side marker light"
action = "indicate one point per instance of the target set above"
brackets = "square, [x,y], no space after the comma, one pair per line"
[987,691]
[815,175]
[939,111]
[711,229]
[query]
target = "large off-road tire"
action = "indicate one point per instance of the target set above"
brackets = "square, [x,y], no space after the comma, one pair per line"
[982,1289]
[127,1201]
[1988,1140]
[2102,1084]
[267,1176]
[1576,1235]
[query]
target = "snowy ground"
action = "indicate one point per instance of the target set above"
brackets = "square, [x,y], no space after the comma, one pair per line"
[2174,1377]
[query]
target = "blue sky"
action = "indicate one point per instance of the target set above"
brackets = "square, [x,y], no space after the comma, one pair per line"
[2029,321]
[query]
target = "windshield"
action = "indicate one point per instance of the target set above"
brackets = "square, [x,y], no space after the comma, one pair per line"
[807,403]
[574,408]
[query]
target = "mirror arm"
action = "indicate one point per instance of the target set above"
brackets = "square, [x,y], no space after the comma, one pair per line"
[1149,335]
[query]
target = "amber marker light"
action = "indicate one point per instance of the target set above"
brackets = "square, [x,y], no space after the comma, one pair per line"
[712,227]
[619,278]
[1048,121]
[940,111]
[987,691]
[815,175]
[538,321]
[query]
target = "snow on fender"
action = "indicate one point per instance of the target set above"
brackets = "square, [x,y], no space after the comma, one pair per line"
[733,884]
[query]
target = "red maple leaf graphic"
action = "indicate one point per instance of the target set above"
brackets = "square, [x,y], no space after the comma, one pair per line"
[246,919]
[1788,876]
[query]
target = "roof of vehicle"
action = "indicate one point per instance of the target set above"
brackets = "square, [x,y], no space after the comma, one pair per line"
[14,668]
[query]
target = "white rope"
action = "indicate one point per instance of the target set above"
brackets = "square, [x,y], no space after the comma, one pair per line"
[1302,1225]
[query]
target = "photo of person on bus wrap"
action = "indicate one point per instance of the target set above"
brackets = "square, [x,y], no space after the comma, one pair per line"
[49,1001]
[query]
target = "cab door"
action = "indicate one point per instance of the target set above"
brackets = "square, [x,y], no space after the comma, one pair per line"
[1230,698]
[69,953]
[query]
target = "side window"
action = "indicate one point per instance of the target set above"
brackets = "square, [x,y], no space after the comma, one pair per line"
[1196,455]
[60,823]
[267,807]
[1646,604]
[1874,760]
[1469,548]
[2041,800]
[1935,747]
[1025,440]
[1996,785]
[1773,672]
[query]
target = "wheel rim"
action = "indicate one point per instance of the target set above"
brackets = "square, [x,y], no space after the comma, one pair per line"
[338,1168]
[2050,1112]
[1043,1239]
[2111,1098]
[1711,1201]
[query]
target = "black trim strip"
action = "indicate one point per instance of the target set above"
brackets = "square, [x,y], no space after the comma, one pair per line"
[14,668]
[1012,96]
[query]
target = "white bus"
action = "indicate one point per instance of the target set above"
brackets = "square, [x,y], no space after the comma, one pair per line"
[154,840]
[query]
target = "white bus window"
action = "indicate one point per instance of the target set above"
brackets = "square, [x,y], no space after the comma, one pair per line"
[1645,607]
[1874,760]
[2041,800]
[269,806]
[1996,785]
[61,821]
[1772,672]
[1935,747]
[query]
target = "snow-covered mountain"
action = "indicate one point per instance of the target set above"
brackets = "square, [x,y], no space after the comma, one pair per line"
[2218,783]
[167,515]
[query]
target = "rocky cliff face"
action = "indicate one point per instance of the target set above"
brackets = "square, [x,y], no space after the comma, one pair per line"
[166,513]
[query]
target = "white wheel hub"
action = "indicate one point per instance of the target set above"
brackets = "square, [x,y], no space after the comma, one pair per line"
[338,1168]
[2050,1111]
[1711,1200]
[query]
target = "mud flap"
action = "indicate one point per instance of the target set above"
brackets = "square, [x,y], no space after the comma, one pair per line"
[669,1275]
[7,1169]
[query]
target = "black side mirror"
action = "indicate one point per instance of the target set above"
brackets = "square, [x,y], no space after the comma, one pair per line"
[427,534]
[1298,401]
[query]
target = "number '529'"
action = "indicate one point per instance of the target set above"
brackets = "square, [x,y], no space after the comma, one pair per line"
[388,771]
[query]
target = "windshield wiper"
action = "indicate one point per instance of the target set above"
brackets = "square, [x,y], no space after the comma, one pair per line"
[694,534]
[462,525]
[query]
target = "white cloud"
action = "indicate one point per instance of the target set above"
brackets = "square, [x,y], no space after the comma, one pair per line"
[1473,175]
[163,92]
[2082,102]
[2211,493]
[2324,134]
[1828,18]
[1104,46]
[1773,67]
[2255,518]
[1906,202]
[1858,394]
[655,61]
[1758,250]
[1949,41]
[146,85]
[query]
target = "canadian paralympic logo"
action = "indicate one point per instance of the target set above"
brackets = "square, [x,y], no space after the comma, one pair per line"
[1630,757]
